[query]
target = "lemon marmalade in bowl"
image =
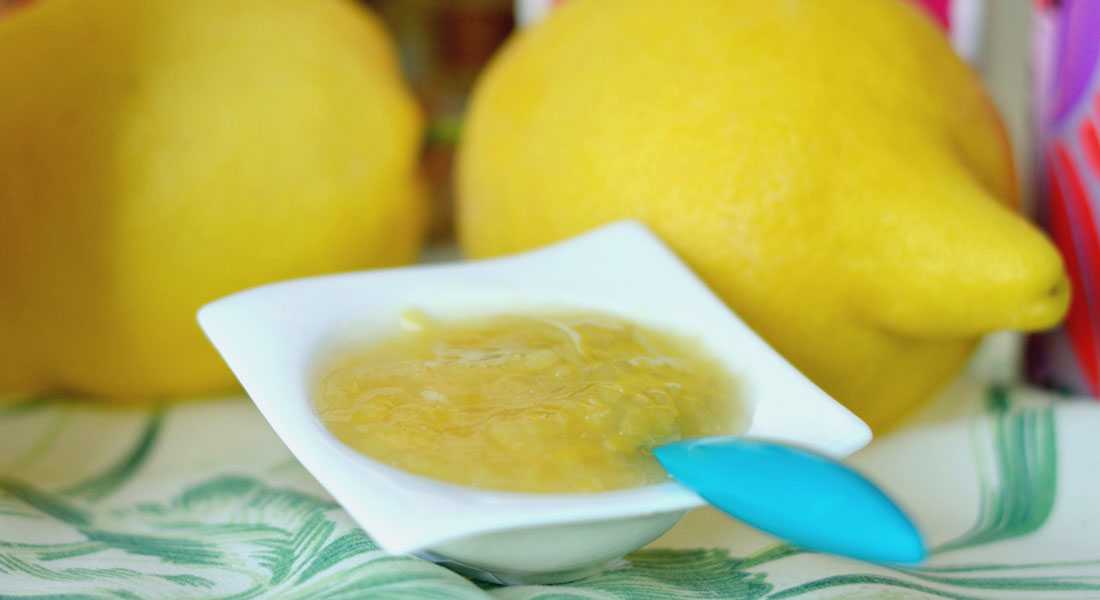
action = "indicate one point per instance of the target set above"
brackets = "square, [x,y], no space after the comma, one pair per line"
[552,403]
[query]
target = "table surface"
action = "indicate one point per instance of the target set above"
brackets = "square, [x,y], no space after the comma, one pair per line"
[200,500]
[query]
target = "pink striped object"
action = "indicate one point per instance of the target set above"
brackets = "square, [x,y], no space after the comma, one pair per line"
[1067,51]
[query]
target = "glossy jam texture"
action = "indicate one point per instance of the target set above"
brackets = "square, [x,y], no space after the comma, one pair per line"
[533,403]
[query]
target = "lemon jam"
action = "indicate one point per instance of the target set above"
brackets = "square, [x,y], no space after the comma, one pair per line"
[569,402]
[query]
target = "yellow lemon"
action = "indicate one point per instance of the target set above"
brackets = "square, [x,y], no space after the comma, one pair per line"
[157,154]
[835,173]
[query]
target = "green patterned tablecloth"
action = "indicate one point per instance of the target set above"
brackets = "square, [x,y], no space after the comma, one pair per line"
[201,500]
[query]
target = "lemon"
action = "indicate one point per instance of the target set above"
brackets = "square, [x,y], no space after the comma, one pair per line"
[836,174]
[158,154]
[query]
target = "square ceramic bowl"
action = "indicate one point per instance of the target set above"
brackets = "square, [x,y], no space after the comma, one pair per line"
[274,336]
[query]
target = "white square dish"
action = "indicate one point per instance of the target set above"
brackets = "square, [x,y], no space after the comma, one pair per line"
[273,336]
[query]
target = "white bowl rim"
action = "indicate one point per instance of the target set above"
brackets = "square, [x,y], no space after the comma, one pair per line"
[270,334]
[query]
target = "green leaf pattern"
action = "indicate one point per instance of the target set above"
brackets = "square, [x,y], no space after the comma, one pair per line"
[146,512]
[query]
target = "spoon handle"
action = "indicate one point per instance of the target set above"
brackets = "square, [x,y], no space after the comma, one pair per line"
[812,501]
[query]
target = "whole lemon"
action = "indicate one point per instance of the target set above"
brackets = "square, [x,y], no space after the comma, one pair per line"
[836,174]
[157,154]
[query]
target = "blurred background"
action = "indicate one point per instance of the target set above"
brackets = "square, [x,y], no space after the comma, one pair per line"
[443,45]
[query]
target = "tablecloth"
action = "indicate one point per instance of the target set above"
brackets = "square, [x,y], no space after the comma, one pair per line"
[200,499]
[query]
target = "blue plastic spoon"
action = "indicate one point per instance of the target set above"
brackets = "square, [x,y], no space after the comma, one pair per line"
[794,494]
